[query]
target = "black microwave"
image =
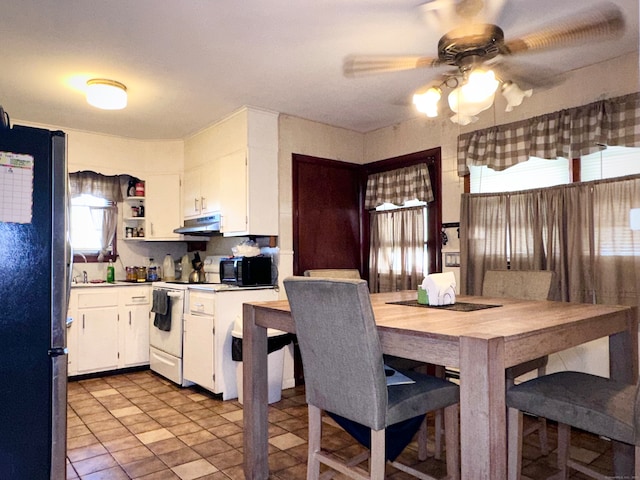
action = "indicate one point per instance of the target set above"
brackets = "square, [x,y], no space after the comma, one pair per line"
[246,271]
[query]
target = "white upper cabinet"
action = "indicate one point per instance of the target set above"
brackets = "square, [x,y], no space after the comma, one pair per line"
[163,213]
[232,168]
[201,195]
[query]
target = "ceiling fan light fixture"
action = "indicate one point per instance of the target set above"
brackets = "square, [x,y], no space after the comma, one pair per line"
[427,102]
[480,86]
[468,106]
[513,94]
[106,94]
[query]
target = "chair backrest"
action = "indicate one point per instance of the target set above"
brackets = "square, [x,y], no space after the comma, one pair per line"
[521,284]
[333,273]
[340,348]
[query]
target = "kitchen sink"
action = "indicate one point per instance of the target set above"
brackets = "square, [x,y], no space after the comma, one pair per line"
[102,284]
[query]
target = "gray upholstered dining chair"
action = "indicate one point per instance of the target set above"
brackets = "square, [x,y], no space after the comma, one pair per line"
[397,363]
[596,404]
[524,285]
[333,273]
[345,377]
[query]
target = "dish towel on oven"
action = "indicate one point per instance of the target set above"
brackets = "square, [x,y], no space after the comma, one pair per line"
[162,308]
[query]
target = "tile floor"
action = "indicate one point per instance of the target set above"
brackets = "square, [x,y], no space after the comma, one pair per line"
[141,426]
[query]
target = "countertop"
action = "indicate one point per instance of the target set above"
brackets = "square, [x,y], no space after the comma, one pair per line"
[119,283]
[182,286]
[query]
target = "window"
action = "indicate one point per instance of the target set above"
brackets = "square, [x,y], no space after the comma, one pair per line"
[534,173]
[394,252]
[94,213]
[87,221]
[609,163]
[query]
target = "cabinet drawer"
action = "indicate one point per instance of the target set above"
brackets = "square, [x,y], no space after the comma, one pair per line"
[98,299]
[201,303]
[135,296]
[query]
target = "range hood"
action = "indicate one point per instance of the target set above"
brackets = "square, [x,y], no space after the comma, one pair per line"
[205,226]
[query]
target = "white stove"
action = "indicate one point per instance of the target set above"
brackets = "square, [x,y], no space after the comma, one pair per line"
[165,347]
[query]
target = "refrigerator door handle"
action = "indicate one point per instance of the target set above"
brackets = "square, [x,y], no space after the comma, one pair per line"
[57,351]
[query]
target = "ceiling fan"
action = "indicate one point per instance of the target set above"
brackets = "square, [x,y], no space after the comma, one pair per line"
[474,47]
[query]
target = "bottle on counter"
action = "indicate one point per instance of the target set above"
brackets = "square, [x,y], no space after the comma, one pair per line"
[168,268]
[111,272]
[152,271]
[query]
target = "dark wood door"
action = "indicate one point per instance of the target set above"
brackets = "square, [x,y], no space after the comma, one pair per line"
[327,227]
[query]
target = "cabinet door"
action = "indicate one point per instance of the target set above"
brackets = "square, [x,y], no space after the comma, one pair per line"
[134,332]
[210,188]
[191,193]
[197,356]
[97,339]
[162,209]
[233,193]
[72,338]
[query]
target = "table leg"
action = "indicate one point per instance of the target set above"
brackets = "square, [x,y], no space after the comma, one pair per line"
[255,407]
[483,437]
[623,365]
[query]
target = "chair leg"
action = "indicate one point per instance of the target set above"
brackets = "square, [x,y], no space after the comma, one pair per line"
[315,435]
[542,427]
[440,372]
[514,443]
[452,440]
[422,440]
[564,442]
[542,436]
[377,459]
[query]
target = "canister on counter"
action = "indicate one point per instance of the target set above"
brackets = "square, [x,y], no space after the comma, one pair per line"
[132,274]
[141,274]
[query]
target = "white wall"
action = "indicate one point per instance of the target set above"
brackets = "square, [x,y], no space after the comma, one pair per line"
[297,135]
[111,155]
[606,80]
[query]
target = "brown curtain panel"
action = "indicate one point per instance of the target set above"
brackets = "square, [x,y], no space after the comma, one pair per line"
[396,253]
[581,231]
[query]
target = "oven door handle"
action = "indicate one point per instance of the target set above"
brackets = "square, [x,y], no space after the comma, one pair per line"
[174,294]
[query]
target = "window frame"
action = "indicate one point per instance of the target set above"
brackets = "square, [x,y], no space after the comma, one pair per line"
[79,258]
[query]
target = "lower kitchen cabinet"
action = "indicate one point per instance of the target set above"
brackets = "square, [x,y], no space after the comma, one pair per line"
[108,328]
[133,326]
[208,323]
[198,359]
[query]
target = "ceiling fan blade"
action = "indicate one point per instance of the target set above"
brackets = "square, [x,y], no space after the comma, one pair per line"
[606,20]
[526,76]
[356,65]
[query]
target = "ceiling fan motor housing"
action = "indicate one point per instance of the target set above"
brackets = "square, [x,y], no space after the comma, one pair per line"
[471,45]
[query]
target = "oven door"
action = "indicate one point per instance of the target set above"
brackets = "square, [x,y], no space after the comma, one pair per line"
[170,341]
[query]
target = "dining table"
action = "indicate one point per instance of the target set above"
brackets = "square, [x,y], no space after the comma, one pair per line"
[480,336]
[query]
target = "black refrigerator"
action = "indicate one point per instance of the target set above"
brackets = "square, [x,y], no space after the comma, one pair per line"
[35,259]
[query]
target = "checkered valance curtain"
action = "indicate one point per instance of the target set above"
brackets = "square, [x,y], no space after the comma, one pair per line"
[398,186]
[567,133]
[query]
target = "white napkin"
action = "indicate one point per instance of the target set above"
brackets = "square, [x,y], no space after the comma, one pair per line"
[441,288]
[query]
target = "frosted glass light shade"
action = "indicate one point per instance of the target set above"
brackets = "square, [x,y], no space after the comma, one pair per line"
[106,94]
[514,95]
[427,102]
[473,97]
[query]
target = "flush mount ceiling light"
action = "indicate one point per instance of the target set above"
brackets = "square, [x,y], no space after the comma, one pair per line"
[106,94]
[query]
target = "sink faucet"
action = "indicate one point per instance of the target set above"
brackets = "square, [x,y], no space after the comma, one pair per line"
[85,278]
